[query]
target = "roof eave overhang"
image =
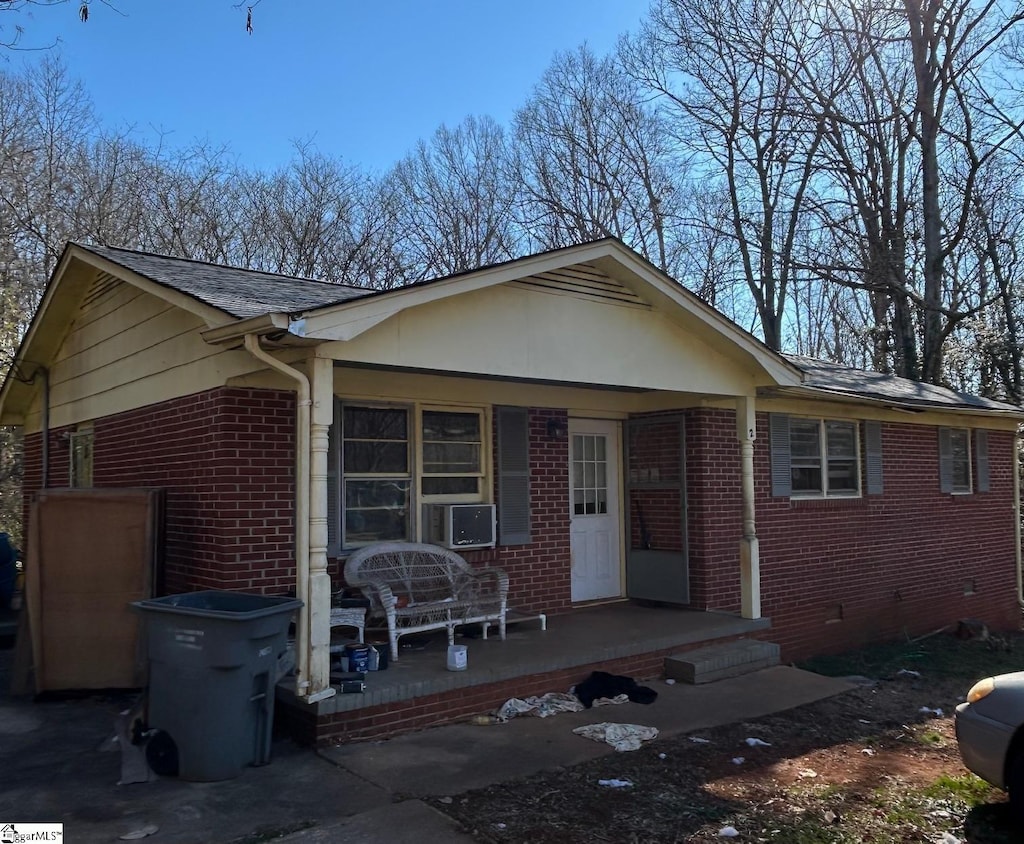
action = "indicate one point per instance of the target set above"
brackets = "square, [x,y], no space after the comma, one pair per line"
[262,326]
[819,394]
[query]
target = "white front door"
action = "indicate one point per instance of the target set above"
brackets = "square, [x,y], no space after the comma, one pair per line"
[594,509]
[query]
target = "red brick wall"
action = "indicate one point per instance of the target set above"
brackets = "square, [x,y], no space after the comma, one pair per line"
[836,573]
[539,573]
[226,458]
[655,457]
[714,508]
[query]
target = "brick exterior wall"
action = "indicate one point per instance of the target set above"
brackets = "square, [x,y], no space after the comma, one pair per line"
[837,573]
[227,460]
[834,573]
[540,573]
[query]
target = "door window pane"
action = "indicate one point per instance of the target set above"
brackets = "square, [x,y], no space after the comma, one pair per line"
[589,475]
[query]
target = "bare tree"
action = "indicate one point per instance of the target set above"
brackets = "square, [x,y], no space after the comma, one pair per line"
[594,161]
[456,201]
[737,116]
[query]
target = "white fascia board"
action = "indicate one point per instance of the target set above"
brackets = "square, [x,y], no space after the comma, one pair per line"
[776,366]
[232,332]
[25,352]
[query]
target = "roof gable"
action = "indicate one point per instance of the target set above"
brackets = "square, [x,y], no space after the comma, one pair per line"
[602,270]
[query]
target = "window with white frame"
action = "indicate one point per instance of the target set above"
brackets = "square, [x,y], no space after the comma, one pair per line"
[824,457]
[452,454]
[393,457]
[955,460]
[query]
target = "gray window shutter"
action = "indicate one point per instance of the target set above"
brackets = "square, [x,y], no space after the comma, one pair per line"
[981,459]
[513,461]
[873,457]
[334,485]
[782,473]
[945,460]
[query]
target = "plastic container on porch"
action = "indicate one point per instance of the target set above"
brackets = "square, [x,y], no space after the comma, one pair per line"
[212,672]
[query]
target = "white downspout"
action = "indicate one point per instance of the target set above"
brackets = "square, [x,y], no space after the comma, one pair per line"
[302,419]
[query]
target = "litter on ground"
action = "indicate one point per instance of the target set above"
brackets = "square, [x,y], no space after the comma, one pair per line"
[622,737]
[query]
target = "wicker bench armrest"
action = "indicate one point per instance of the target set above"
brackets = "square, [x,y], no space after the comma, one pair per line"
[499,576]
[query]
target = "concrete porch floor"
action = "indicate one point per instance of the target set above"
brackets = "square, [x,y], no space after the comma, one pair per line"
[589,636]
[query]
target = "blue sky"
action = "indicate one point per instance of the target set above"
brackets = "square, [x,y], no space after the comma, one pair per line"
[364,80]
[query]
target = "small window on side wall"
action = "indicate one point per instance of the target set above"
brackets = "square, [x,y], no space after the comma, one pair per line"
[80,445]
[955,461]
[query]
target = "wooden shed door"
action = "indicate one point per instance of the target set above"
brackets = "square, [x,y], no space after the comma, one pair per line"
[91,552]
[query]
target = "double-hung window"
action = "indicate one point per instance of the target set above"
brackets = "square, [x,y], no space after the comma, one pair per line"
[80,464]
[824,457]
[963,460]
[377,477]
[394,458]
[452,454]
[815,457]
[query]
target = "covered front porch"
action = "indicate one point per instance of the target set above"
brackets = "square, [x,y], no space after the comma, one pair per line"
[546,389]
[418,691]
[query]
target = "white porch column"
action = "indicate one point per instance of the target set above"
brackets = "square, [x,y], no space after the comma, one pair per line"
[321,376]
[750,564]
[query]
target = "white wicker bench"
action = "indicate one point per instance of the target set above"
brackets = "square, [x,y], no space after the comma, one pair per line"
[417,587]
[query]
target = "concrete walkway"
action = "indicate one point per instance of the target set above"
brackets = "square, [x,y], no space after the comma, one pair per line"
[58,764]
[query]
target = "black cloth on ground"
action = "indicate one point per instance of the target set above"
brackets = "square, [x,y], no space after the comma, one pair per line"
[602,684]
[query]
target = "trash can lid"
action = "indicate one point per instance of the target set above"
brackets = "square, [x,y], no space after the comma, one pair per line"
[212,603]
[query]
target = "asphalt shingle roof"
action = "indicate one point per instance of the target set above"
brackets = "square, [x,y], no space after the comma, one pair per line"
[833,378]
[250,293]
[238,292]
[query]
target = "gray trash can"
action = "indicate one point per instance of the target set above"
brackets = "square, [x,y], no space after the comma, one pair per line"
[212,671]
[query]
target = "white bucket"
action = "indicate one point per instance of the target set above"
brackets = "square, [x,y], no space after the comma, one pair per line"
[456,657]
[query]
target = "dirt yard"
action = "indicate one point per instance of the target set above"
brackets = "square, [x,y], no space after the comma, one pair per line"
[876,765]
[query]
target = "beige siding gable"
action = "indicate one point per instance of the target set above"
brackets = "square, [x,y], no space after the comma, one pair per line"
[125,348]
[524,329]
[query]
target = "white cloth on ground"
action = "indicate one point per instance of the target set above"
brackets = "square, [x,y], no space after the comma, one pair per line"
[622,737]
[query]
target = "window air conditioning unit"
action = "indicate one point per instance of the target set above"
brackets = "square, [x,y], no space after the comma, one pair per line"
[459,526]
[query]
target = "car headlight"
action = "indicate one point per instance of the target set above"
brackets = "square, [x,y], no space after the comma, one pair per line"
[981,689]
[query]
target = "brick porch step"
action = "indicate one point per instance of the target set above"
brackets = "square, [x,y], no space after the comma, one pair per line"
[716,662]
